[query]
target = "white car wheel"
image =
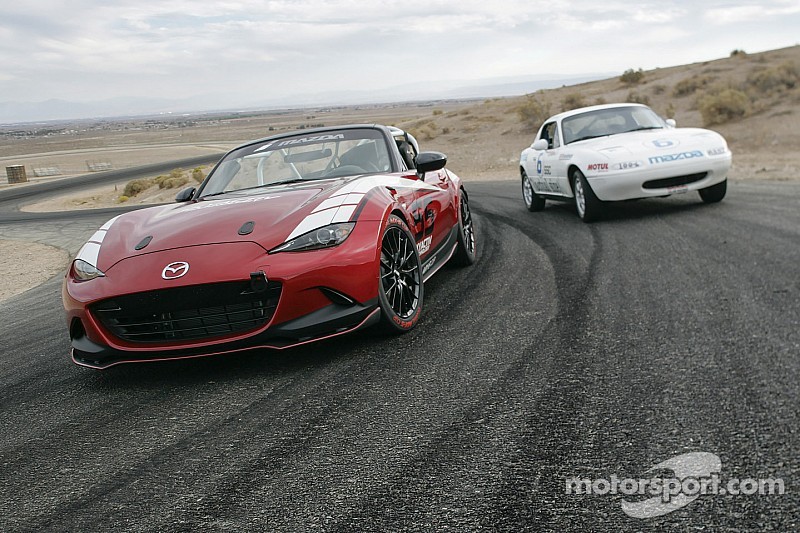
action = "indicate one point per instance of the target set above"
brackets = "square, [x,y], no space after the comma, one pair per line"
[533,201]
[586,203]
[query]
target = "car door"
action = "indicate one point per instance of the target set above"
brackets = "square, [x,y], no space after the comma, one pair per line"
[435,212]
[550,168]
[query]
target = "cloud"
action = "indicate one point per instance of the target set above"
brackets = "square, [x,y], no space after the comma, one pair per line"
[251,49]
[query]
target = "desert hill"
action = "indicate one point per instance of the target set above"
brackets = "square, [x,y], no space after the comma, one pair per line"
[752,99]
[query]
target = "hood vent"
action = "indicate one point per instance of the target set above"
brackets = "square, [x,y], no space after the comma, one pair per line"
[247,228]
[144,242]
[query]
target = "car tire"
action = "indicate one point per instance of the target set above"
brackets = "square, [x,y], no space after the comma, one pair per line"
[400,288]
[587,205]
[533,201]
[466,252]
[715,193]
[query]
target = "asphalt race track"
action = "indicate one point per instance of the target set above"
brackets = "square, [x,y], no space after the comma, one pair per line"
[568,350]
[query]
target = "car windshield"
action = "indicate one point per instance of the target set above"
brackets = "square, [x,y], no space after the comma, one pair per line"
[609,121]
[313,156]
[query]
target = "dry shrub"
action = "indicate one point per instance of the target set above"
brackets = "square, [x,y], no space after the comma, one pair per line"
[532,112]
[690,85]
[632,77]
[723,106]
[198,175]
[176,178]
[425,131]
[134,187]
[774,80]
[572,101]
[636,98]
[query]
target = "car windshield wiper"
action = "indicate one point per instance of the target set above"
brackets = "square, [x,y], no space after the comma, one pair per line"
[590,137]
[645,128]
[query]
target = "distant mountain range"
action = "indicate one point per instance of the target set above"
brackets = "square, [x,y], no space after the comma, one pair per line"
[56,109]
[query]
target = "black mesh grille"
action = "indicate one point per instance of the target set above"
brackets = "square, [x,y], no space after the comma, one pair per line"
[677,181]
[195,312]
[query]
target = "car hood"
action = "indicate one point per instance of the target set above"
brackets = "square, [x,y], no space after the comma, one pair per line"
[267,217]
[648,142]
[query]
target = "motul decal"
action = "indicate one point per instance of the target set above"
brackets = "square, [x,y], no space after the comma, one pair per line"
[424,245]
[597,167]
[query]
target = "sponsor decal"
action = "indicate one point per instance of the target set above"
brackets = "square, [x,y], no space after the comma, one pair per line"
[678,189]
[664,143]
[405,324]
[208,204]
[675,157]
[628,165]
[302,140]
[597,167]
[175,270]
[539,164]
[429,264]
[546,170]
[565,157]
[717,151]
[424,245]
[550,185]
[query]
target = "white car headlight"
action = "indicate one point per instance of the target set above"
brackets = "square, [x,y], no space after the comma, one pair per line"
[324,237]
[83,271]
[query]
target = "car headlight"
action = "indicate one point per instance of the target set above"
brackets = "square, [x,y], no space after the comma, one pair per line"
[83,271]
[324,237]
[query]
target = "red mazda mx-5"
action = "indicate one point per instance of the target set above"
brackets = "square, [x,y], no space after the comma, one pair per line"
[290,239]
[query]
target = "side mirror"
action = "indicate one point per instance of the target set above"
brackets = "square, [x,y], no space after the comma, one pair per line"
[430,162]
[671,122]
[185,195]
[540,144]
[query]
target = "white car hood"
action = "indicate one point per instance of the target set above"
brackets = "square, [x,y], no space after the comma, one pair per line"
[649,142]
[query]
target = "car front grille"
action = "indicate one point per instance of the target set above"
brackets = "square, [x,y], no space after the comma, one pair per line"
[677,181]
[188,313]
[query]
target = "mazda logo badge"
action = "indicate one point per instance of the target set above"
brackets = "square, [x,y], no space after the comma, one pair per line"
[175,270]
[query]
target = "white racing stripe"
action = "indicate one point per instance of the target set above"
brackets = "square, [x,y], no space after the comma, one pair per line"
[90,251]
[347,199]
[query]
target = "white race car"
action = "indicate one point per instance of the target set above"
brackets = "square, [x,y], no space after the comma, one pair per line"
[620,152]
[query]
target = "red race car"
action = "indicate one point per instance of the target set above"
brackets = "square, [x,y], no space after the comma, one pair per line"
[290,239]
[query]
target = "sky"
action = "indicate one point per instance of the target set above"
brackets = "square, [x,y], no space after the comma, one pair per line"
[240,51]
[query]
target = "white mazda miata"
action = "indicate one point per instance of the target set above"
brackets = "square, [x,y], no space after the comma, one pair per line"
[618,152]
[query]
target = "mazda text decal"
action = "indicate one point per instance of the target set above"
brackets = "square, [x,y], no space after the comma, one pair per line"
[207,204]
[303,140]
[674,157]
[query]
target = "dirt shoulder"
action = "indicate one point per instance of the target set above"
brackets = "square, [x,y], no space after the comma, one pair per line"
[24,265]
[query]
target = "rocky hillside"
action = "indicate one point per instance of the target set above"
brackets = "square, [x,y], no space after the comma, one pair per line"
[752,99]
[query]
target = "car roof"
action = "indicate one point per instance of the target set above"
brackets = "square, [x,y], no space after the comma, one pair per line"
[580,110]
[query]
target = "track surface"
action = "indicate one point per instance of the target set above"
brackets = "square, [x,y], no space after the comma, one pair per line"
[567,350]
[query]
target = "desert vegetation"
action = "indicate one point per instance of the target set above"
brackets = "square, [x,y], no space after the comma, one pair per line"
[753,99]
[632,77]
[175,179]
